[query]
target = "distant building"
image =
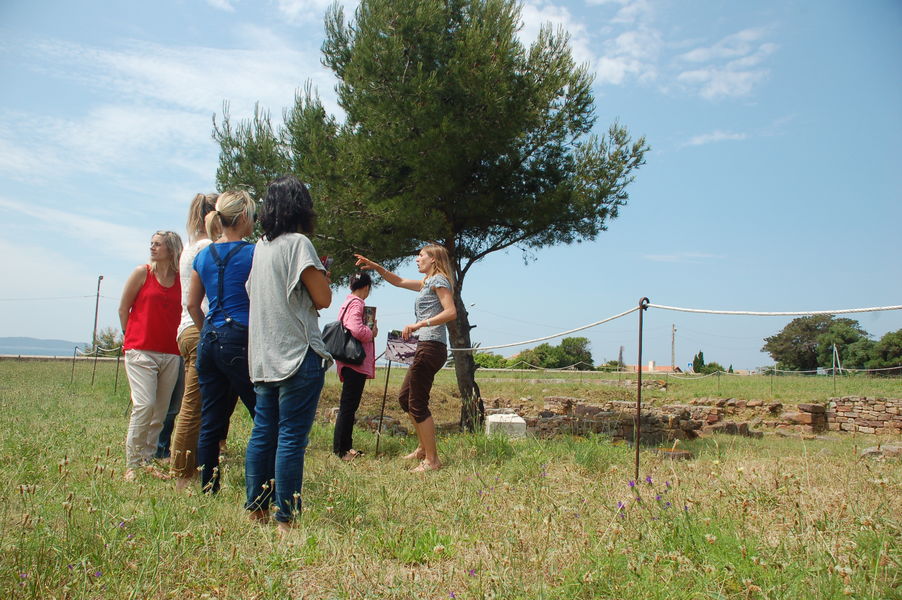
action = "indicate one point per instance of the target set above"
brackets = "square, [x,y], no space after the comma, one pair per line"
[653,368]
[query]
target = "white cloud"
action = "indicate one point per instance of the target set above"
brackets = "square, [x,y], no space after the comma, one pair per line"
[105,141]
[196,77]
[630,11]
[222,5]
[304,11]
[112,239]
[163,98]
[715,136]
[713,83]
[734,45]
[734,65]
[536,14]
[632,53]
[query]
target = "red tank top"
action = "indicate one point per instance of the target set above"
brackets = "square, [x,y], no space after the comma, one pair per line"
[154,319]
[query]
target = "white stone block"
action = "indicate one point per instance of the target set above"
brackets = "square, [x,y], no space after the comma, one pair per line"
[510,425]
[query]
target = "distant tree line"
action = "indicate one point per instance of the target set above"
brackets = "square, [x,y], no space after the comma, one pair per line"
[806,344]
[571,352]
[700,366]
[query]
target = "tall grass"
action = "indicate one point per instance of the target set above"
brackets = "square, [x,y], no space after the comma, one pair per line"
[556,519]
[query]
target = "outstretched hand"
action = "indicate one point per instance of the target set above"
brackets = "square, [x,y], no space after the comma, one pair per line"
[364,263]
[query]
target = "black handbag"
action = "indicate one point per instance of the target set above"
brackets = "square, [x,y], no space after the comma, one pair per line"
[341,344]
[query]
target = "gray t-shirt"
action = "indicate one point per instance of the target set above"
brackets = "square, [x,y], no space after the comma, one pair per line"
[283,322]
[427,306]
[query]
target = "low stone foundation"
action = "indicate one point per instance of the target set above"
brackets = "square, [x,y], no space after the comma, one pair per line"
[563,415]
[865,415]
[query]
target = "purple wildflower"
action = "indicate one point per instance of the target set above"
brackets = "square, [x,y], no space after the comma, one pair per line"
[23,575]
[620,505]
[667,484]
[658,497]
[667,505]
[632,483]
[98,573]
[451,595]
[472,572]
[648,480]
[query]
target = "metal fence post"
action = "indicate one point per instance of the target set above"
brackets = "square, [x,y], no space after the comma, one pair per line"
[637,423]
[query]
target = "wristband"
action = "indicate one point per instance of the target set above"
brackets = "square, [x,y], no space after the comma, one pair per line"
[428,323]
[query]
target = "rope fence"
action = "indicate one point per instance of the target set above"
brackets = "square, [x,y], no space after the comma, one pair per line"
[841,311]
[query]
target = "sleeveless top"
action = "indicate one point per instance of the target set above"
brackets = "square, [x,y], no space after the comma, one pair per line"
[234,303]
[154,317]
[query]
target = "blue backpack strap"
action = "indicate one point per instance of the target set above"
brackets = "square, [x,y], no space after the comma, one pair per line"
[221,263]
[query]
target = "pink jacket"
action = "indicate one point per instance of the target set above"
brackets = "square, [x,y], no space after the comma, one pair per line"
[353,320]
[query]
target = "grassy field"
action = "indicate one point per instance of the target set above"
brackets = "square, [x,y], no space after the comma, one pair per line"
[772,518]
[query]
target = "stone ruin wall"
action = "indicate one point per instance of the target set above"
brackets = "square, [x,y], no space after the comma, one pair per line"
[881,416]
[564,415]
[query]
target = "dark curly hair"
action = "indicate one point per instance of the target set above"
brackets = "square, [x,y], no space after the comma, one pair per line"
[360,281]
[287,208]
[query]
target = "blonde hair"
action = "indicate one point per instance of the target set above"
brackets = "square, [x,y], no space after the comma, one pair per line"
[229,208]
[200,207]
[173,243]
[442,263]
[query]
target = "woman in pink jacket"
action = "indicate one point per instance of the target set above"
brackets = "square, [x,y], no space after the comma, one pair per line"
[353,377]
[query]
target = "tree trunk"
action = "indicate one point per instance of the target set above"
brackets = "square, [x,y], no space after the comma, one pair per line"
[472,410]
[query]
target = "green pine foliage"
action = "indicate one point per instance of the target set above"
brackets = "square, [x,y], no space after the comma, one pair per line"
[452,131]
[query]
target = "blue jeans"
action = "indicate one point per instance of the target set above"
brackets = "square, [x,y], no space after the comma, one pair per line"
[274,468]
[221,367]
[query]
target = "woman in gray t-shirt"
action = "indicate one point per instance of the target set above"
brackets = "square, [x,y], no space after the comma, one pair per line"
[433,308]
[286,356]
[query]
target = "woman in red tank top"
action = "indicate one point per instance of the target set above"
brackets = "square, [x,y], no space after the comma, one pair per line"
[150,311]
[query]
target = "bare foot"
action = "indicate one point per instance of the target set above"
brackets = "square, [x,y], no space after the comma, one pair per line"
[261,517]
[131,475]
[153,471]
[426,466]
[284,529]
[418,454]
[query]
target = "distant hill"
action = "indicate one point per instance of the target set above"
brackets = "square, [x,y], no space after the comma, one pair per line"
[34,346]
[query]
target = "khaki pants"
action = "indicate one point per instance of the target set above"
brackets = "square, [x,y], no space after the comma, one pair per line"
[151,377]
[187,424]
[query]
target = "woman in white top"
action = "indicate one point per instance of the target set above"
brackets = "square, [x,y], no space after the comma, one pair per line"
[187,426]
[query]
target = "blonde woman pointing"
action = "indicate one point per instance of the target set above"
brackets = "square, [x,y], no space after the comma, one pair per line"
[433,308]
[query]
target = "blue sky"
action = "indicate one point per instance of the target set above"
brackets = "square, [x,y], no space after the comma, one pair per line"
[773,184]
